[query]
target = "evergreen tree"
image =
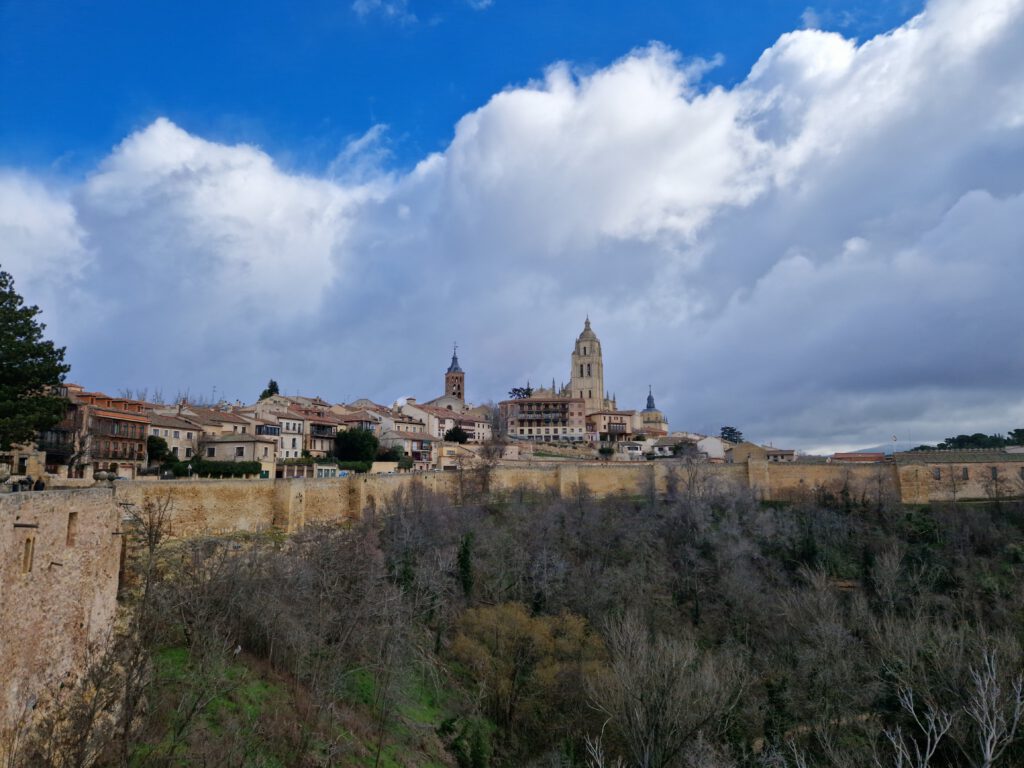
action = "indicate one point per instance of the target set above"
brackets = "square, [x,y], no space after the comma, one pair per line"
[31,368]
[356,445]
[456,435]
[272,389]
[731,435]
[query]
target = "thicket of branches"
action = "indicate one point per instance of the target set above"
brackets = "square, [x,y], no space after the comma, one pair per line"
[706,629]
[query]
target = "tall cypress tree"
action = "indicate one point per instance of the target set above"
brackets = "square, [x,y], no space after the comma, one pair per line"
[30,370]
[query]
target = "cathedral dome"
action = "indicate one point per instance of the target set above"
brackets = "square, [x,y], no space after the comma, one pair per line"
[587,334]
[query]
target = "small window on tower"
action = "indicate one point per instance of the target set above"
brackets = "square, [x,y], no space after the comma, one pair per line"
[588,369]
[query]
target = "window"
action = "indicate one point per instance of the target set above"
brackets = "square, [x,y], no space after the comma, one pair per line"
[239,451]
[295,442]
[965,474]
[174,450]
[188,453]
[234,427]
[995,472]
[72,529]
[188,435]
[590,393]
[210,452]
[588,369]
[584,350]
[156,432]
[264,450]
[177,434]
[581,369]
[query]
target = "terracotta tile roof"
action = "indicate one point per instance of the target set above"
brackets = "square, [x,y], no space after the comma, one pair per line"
[358,416]
[214,416]
[239,437]
[410,435]
[113,413]
[162,420]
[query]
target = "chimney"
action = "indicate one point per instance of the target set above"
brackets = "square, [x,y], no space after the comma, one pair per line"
[410,401]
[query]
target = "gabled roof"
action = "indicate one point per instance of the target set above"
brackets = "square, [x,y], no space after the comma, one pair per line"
[359,417]
[162,420]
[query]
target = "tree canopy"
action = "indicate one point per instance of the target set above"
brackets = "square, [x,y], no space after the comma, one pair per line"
[272,389]
[157,449]
[731,435]
[456,435]
[977,440]
[31,368]
[356,445]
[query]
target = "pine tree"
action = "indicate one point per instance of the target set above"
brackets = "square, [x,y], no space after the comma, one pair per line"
[31,368]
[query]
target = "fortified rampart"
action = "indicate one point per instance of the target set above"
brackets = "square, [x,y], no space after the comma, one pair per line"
[60,553]
[61,550]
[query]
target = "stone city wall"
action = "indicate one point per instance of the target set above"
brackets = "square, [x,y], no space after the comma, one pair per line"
[60,554]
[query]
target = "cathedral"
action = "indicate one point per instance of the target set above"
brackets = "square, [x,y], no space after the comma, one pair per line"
[582,409]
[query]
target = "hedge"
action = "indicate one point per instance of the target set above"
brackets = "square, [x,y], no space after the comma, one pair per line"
[203,468]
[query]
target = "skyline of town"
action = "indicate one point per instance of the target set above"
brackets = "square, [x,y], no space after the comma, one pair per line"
[803,237]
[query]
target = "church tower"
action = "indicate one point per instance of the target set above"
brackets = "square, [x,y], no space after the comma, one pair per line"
[654,421]
[455,378]
[586,378]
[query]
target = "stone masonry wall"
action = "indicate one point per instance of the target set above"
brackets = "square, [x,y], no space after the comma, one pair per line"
[59,559]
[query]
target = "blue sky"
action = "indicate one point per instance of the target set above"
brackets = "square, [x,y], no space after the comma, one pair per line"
[799,220]
[300,80]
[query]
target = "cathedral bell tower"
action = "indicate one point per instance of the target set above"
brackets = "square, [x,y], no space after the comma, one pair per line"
[455,378]
[587,374]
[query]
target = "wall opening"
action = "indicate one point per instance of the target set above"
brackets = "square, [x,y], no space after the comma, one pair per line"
[26,559]
[72,528]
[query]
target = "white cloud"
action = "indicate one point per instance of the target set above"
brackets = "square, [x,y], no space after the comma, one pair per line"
[394,10]
[827,252]
[810,18]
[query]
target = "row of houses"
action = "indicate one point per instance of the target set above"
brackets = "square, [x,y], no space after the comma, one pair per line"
[100,433]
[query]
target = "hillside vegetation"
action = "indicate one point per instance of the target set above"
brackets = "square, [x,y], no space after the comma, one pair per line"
[706,629]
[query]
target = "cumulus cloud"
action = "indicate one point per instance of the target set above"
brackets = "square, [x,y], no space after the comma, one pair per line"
[825,254]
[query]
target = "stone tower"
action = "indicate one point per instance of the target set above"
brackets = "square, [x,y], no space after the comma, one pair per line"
[586,378]
[455,378]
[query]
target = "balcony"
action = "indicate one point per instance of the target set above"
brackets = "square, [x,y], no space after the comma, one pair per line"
[267,429]
[56,446]
[617,428]
[316,430]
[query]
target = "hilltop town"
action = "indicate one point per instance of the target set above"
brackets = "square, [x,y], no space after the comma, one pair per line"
[287,436]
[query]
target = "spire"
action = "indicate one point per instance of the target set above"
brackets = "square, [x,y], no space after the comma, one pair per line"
[454,367]
[553,390]
[650,399]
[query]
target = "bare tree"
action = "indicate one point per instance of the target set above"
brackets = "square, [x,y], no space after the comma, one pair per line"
[994,710]
[661,692]
[908,752]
